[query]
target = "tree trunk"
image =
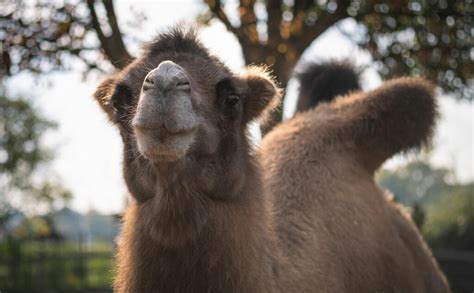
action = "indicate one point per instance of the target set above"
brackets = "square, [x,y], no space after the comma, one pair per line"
[113,45]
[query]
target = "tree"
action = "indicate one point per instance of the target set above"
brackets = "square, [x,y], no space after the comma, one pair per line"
[430,37]
[24,184]
[416,182]
[418,215]
[433,38]
[41,36]
[450,220]
[442,208]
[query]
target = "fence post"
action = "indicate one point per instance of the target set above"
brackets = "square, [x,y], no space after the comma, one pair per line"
[81,268]
[14,260]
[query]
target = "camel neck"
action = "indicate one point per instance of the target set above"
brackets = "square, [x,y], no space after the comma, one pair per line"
[231,237]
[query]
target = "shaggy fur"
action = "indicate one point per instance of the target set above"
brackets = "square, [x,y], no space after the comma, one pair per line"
[322,82]
[337,228]
[311,220]
[201,223]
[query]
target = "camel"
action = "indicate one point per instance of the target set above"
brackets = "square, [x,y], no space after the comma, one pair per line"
[202,217]
[336,226]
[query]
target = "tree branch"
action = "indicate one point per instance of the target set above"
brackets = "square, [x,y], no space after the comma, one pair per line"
[310,33]
[95,22]
[274,21]
[301,6]
[215,6]
[248,20]
[113,46]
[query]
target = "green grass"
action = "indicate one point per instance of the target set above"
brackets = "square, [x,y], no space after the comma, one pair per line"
[55,265]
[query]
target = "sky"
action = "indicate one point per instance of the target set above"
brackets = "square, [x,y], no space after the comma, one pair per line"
[89,150]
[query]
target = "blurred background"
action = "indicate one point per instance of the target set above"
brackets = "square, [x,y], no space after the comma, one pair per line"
[61,191]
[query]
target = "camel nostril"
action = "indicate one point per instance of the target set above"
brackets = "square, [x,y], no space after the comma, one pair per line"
[167,76]
[183,86]
[146,86]
[148,83]
[148,79]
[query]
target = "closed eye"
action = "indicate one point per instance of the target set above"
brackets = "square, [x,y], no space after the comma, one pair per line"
[183,86]
[232,99]
[121,99]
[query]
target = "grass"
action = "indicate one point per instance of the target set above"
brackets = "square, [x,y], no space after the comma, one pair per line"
[55,265]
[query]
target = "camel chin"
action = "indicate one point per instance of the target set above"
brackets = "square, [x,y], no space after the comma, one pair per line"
[164,146]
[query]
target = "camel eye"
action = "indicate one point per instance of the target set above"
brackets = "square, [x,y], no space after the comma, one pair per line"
[232,100]
[121,99]
[116,104]
[228,96]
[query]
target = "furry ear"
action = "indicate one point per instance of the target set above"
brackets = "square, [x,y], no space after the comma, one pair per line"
[113,97]
[261,95]
[103,95]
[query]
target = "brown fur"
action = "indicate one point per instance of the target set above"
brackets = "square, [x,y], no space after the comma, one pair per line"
[198,224]
[323,81]
[339,231]
[207,222]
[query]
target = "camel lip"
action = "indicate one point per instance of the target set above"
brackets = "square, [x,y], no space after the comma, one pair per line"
[161,132]
[161,145]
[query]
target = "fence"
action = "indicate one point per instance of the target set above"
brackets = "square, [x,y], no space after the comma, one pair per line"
[459,269]
[77,267]
[55,267]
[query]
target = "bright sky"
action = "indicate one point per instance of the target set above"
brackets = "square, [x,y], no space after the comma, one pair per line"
[89,148]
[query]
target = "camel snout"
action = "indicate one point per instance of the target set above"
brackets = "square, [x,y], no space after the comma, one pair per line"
[165,122]
[165,78]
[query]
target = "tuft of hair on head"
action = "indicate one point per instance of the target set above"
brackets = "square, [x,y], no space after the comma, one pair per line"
[324,81]
[182,38]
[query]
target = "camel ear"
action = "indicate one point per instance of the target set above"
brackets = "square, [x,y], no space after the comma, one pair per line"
[113,97]
[261,95]
[103,95]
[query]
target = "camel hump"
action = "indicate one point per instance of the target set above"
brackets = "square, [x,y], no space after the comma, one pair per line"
[398,116]
[324,81]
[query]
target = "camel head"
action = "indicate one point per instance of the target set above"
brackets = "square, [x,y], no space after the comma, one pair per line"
[177,106]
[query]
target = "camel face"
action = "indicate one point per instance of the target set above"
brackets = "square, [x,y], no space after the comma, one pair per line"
[182,112]
[184,107]
[165,122]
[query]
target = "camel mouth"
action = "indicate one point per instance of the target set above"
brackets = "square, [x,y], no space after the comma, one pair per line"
[162,133]
[164,145]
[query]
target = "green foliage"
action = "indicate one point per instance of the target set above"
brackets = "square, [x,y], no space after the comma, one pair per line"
[441,208]
[41,35]
[23,159]
[34,226]
[415,182]
[450,223]
[418,215]
[20,149]
[432,38]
